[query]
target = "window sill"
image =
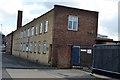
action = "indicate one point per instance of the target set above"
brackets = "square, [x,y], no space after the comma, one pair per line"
[44,53]
[39,52]
[45,32]
[72,30]
[40,33]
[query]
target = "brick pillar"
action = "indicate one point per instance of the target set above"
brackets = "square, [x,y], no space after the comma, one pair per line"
[64,57]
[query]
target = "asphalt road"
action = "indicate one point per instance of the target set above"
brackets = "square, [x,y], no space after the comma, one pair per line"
[22,69]
[10,61]
[13,62]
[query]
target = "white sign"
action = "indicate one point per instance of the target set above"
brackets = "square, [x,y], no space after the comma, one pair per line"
[89,51]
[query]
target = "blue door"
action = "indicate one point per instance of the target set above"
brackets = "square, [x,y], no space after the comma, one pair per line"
[75,55]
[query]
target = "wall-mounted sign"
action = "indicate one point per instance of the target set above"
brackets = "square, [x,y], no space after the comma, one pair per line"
[89,51]
[83,50]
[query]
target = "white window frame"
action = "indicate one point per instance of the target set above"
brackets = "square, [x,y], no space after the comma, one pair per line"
[30,46]
[36,29]
[45,47]
[34,46]
[73,19]
[27,46]
[21,34]
[32,30]
[24,33]
[46,26]
[41,27]
[40,47]
[28,32]
[21,47]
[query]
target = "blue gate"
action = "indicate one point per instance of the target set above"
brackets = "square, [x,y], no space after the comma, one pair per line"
[75,55]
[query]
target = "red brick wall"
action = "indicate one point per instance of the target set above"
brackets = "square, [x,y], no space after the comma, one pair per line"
[87,23]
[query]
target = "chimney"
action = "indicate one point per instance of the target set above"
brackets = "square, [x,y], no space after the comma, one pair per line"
[19,19]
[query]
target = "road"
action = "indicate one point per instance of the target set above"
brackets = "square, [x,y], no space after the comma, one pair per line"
[18,68]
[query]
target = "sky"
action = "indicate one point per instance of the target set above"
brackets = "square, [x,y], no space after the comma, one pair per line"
[107,22]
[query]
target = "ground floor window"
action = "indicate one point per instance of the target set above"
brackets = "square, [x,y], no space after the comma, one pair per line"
[30,47]
[35,46]
[45,46]
[39,47]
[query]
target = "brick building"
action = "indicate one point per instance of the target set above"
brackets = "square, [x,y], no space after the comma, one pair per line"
[9,41]
[58,37]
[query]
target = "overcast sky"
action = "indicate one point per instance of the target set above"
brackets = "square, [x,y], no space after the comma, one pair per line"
[108,13]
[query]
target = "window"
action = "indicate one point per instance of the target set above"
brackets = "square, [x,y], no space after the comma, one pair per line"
[21,47]
[24,33]
[30,49]
[73,23]
[21,34]
[34,46]
[28,32]
[45,46]
[36,29]
[46,26]
[40,27]
[39,47]
[27,46]
[32,31]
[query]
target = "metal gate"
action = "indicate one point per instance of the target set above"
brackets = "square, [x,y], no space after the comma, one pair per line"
[107,58]
[75,55]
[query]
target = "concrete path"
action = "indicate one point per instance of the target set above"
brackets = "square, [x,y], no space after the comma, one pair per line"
[49,73]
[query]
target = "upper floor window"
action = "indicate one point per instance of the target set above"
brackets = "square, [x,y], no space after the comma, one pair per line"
[73,23]
[40,27]
[28,32]
[46,26]
[36,29]
[32,31]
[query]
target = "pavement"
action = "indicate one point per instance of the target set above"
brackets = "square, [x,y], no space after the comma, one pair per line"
[15,68]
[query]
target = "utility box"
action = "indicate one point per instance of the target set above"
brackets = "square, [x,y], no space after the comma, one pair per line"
[106,59]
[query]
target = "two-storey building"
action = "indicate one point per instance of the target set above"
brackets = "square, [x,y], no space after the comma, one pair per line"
[57,37]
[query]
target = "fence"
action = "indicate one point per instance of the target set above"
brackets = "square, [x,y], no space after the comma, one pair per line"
[107,58]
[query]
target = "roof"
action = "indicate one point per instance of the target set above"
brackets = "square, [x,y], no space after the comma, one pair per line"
[52,10]
[74,8]
[106,40]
